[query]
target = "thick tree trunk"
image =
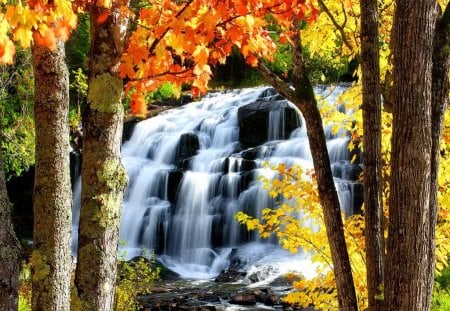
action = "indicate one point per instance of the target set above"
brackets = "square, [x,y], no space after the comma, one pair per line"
[371,105]
[9,249]
[103,176]
[439,102]
[408,279]
[303,97]
[51,258]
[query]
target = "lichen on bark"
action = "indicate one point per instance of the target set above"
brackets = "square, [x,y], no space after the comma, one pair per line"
[105,91]
[40,266]
[113,174]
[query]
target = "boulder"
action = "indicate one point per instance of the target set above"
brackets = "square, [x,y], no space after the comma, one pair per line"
[243,299]
[231,275]
[173,182]
[254,119]
[128,127]
[188,146]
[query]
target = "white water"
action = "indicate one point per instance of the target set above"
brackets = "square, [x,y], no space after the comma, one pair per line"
[196,235]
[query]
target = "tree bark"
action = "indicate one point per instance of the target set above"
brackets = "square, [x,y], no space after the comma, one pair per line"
[408,279]
[439,102]
[103,176]
[9,249]
[371,106]
[51,258]
[303,97]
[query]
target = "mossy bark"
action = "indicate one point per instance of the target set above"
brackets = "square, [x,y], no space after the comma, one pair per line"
[103,176]
[52,200]
[9,249]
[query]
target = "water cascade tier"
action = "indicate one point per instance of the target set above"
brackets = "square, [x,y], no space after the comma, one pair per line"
[191,169]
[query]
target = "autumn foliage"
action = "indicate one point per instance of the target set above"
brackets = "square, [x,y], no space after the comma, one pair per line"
[295,190]
[179,41]
[172,41]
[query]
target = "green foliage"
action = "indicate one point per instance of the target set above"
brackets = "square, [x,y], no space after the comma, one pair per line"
[18,146]
[78,86]
[443,279]
[77,46]
[16,114]
[25,288]
[134,279]
[440,300]
[166,91]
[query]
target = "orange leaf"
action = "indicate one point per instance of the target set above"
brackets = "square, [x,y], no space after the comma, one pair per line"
[7,51]
[102,17]
[48,39]
[138,104]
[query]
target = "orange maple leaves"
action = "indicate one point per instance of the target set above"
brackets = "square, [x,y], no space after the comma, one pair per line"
[174,41]
[178,41]
[37,21]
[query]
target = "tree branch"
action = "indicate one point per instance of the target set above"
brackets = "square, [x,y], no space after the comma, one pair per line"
[282,87]
[340,28]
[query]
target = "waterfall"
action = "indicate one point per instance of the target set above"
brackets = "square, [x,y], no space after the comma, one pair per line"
[191,169]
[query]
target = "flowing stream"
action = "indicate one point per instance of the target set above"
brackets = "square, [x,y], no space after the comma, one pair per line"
[191,169]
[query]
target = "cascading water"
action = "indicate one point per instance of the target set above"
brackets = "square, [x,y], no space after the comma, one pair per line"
[191,169]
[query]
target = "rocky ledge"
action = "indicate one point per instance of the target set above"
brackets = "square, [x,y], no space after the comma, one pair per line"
[226,292]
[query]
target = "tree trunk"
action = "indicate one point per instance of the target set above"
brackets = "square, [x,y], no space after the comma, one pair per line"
[439,102]
[51,258]
[9,249]
[408,279]
[371,105]
[103,176]
[303,97]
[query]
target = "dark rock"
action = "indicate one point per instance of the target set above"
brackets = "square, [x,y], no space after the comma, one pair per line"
[173,182]
[166,273]
[187,307]
[246,179]
[226,276]
[20,192]
[358,198]
[272,300]
[247,165]
[217,231]
[173,102]
[188,146]
[243,299]
[185,164]
[254,118]
[159,290]
[250,154]
[128,127]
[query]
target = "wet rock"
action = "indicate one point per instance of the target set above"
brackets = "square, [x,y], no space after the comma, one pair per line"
[272,300]
[173,182]
[254,119]
[128,127]
[188,146]
[243,299]
[159,290]
[229,276]
[250,154]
